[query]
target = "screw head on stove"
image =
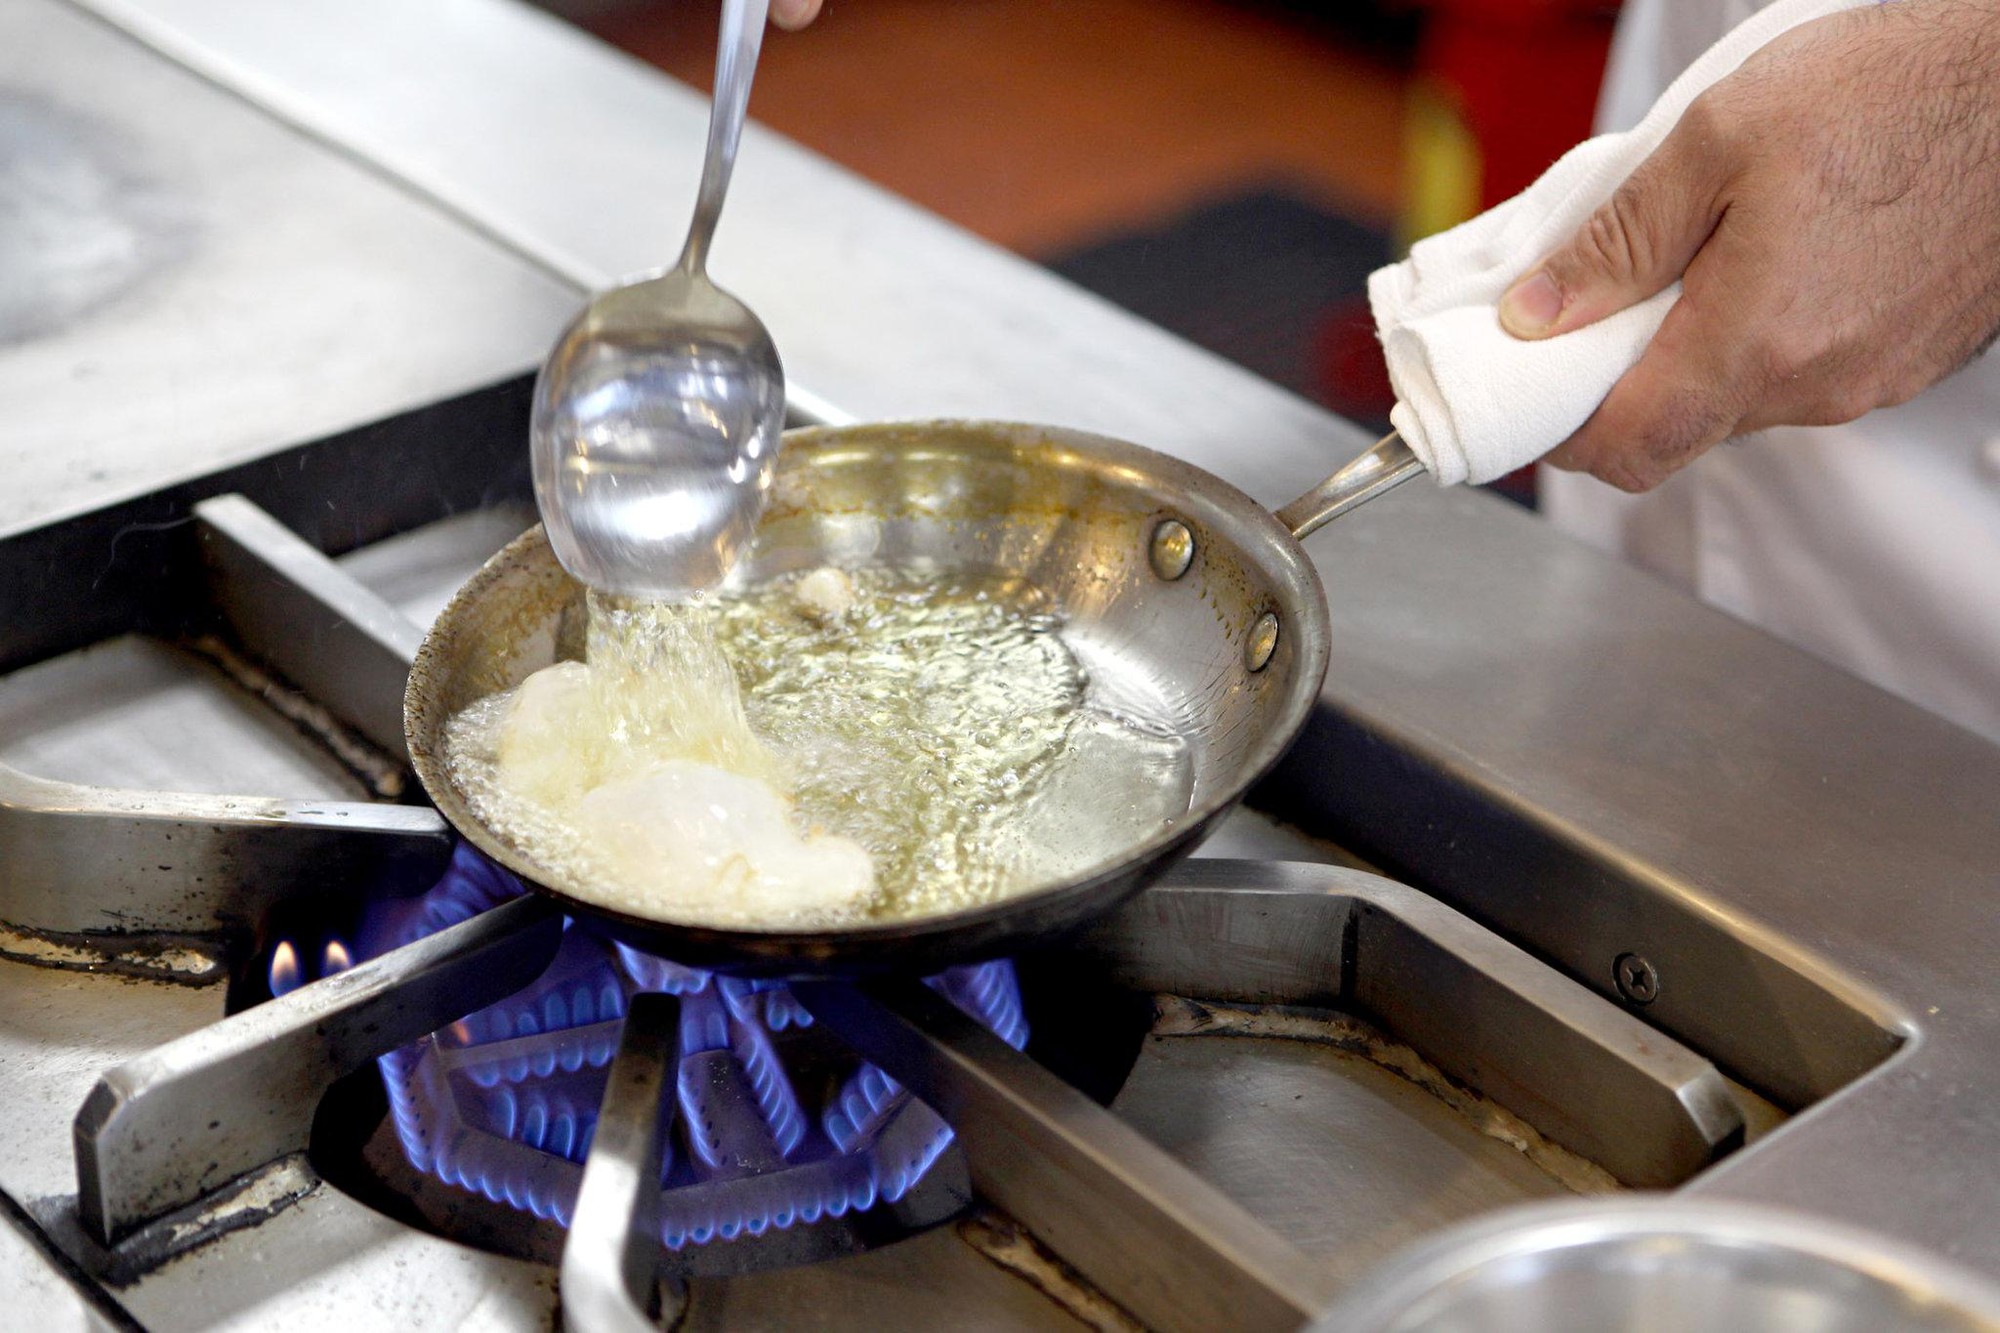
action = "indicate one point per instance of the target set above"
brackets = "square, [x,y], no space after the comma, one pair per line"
[1636,978]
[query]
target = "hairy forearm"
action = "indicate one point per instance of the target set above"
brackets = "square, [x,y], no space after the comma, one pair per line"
[1832,210]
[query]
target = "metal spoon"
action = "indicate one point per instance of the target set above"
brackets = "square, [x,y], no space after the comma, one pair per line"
[656,417]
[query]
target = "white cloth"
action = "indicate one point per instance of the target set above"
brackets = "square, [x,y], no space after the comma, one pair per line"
[1473,402]
[1876,544]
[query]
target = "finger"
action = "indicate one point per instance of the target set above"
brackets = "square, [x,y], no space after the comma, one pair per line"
[1683,397]
[1637,243]
[794,14]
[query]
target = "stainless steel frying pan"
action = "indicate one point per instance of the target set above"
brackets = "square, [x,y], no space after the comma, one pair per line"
[1160,570]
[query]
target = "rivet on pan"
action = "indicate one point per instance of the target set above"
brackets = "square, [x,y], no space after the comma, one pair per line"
[1173,549]
[1262,643]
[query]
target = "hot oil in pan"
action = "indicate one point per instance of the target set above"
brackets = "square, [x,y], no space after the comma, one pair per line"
[948,727]
[943,725]
[636,780]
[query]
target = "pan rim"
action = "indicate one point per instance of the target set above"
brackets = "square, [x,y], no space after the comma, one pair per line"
[827,944]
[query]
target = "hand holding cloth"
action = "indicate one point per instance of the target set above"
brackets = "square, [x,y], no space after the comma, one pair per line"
[1474,402]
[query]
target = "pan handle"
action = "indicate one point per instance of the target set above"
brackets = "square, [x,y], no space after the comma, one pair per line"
[1387,465]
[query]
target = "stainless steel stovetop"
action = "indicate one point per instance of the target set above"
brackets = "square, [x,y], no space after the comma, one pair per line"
[1690,910]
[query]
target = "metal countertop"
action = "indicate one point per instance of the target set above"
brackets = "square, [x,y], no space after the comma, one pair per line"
[186,287]
[1559,745]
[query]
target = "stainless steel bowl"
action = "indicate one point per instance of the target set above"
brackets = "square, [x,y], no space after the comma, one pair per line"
[1663,1265]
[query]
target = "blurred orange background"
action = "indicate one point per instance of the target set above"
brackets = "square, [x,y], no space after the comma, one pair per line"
[1058,128]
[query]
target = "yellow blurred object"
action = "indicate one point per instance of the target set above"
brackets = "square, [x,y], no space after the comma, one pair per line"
[1444,166]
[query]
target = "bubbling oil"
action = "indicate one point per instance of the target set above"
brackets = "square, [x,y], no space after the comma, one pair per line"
[944,725]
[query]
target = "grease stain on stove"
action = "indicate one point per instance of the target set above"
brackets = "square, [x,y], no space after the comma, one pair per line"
[87,221]
[182,960]
[1284,1108]
[1008,1244]
[247,1201]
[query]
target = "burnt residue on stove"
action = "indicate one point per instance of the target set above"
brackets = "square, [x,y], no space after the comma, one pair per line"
[385,776]
[177,959]
[1003,1241]
[1176,1016]
[246,1201]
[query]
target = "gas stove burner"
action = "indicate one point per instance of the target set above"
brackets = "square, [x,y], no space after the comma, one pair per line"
[778,1127]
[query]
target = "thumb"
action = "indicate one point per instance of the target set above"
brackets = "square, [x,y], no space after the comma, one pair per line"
[794,14]
[1635,245]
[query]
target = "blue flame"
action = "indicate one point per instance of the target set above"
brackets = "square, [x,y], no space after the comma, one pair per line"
[504,1102]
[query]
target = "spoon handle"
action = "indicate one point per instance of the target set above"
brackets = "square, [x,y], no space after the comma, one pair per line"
[735,66]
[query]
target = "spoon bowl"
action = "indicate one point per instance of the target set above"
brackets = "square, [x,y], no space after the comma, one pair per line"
[656,417]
